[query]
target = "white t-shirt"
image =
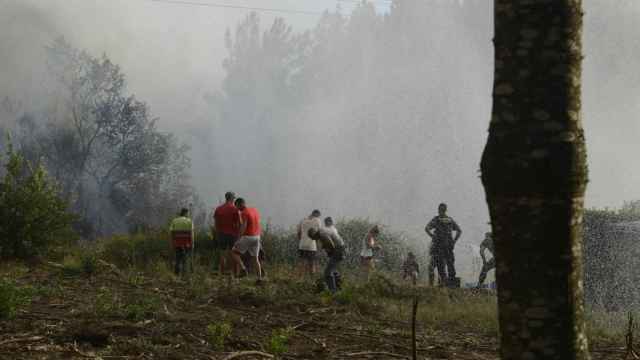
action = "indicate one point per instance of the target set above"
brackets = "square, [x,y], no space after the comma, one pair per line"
[307,243]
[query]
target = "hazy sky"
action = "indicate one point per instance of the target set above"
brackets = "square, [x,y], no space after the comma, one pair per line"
[172,57]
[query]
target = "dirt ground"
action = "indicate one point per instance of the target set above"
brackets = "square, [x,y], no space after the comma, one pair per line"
[117,315]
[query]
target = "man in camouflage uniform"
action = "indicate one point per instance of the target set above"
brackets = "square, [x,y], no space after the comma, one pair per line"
[487,244]
[440,230]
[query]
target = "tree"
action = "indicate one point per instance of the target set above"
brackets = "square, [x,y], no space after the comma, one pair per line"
[32,214]
[103,147]
[534,173]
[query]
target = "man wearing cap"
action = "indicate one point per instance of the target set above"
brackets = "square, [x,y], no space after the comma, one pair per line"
[227,223]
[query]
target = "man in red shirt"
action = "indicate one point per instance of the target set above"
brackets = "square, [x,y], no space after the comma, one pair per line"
[249,237]
[227,223]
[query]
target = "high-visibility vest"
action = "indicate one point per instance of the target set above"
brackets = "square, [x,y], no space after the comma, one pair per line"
[181,229]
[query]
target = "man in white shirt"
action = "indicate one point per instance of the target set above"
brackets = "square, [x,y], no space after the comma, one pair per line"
[307,247]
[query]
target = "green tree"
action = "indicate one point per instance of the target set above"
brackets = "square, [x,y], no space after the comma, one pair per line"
[32,214]
[534,173]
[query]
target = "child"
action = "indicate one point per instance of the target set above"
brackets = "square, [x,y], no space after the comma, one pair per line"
[368,247]
[410,268]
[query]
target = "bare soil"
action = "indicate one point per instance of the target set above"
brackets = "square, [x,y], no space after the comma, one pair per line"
[113,315]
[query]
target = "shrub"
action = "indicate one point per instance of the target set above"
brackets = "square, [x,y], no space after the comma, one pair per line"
[106,303]
[84,263]
[142,249]
[279,341]
[141,309]
[32,215]
[218,334]
[11,297]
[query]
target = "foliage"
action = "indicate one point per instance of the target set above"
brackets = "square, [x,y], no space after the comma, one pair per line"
[279,341]
[218,334]
[139,249]
[32,215]
[106,303]
[11,297]
[101,144]
[141,308]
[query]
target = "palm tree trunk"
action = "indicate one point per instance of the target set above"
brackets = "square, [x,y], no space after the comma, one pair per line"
[534,173]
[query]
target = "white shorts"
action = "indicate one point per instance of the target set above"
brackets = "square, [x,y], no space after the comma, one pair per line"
[248,243]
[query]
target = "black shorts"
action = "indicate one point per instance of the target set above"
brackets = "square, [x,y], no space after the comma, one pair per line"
[307,254]
[225,241]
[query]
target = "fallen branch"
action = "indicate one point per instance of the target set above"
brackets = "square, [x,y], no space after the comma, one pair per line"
[54,265]
[27,339]
[248,353]
[374,353]
[112,267]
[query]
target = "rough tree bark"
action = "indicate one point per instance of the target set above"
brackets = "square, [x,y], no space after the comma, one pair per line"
[534,173]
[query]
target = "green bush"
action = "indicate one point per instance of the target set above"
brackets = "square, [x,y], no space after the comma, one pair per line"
[142,249]
[84,262]
[32,215]
[218,334]
[279,341]
[141,309]
[11,297]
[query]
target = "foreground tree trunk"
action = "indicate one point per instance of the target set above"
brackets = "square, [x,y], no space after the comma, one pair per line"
[534,173]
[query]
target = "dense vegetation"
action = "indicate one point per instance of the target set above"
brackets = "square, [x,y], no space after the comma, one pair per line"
[32,215]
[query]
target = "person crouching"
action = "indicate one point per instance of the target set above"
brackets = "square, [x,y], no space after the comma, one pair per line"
[334,246]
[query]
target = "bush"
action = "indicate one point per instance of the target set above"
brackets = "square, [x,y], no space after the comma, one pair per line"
[141,308]
[32,215]
[83,263]
[279,341]
[218,334]
[140,249]
[11,297]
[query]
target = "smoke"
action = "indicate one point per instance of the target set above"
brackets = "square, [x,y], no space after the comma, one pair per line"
[346,153]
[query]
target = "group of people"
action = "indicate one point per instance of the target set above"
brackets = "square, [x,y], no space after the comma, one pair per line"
[312,231]
[238,231]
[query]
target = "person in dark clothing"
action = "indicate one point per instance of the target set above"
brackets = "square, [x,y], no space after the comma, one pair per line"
[487,244]
[440,229]
[334,246]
